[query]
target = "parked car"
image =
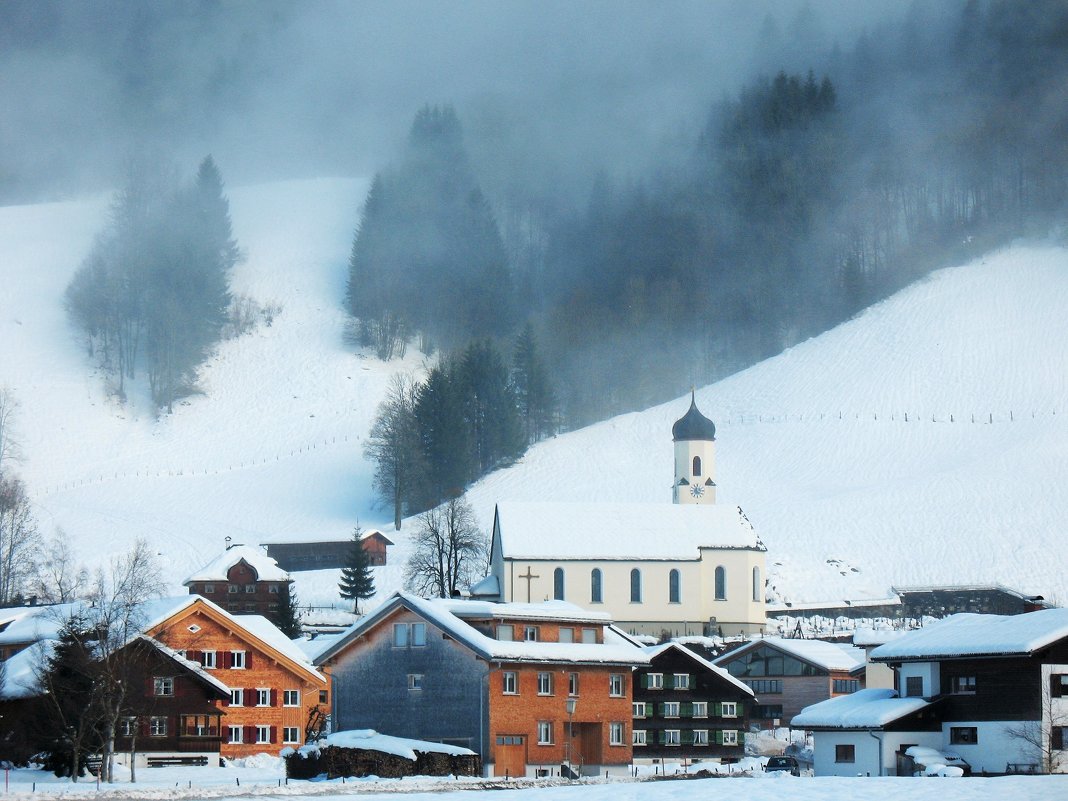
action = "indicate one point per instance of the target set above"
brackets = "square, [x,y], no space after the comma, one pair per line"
[780,763]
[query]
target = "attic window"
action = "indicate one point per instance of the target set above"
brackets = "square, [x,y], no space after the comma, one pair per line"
[194,628]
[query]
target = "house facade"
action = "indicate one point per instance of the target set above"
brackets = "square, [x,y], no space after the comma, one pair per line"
[534,689]
[788,675]
[275,694]
[686,708]
[243,580]
[686,568]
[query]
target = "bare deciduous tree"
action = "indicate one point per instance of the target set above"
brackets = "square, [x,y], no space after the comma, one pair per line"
[449,551]
[393,445]
[9,446]
[19,539]
[1044,740]
[59,579]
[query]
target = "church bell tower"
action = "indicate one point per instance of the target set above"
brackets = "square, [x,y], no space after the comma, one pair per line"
[695,457]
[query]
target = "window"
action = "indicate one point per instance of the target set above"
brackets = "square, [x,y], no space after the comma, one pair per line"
[232,589]
[914,686]
[558,584]
[767,711]
[530,633]
[595,586]
[572,683]
[198,725]
[674,593]
[728,709]
[129,727]
[415,681]
[730,737]
[700,709]
[263,734]
[589,636]
[207,659]
[635,586]
[291,698]
[236,733]
[163,685]
[509,685]
[1058,685]
[700,736]
[567,635]
[400,635]
[504,632]
[638,709]
[766,686]
[418,635]
[545,732]
[721,583]
[672,737]
[290,735]
[638,737]
[545,684]
[681,681]
[757,586]
[237,698]
[1058,737]
[272,589]
[263,696]
[250,588]
[845,753]
[324,696]
[963,735]
[615,733]
[671,709]
[962,685]
[157,726]
[654,681]
[616,685]
[696,466]
[237,660]
[209,589]
[846,685]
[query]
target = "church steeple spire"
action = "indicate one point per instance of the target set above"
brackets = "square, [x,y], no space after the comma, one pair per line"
[695,456]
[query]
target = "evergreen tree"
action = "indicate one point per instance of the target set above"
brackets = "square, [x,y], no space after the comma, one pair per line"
[357,579]
[444,435]
[532,386]
[491,412]
[288,618]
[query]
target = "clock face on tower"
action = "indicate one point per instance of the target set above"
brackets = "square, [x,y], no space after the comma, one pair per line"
[697,490]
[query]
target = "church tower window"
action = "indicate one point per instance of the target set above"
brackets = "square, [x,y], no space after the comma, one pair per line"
[756,584]
[558,584]
[721,583]
[635,586]
[674,587]
[595,586]
[696,466]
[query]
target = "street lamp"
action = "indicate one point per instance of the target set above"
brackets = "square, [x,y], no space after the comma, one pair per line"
[570,703]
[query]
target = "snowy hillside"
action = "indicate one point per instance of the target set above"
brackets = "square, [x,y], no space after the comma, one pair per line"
[814,445]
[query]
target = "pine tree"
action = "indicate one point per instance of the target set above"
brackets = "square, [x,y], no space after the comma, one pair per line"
[532,386]
[287,618]
[357,579]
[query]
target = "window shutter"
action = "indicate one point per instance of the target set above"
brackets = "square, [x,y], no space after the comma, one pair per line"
[661,737]
[251,696]
[687,737]
[719,737]
[1055,685]
[227,660]
[662,707]
[669,681]
[686,709]
[274,734]
[192,656]
[645,681]
[250,734]
[274,699]
[248,660]
[719,710]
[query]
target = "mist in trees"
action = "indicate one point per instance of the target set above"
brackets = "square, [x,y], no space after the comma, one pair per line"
[153,293]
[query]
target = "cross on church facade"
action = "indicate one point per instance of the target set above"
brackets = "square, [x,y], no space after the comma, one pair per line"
[529,577]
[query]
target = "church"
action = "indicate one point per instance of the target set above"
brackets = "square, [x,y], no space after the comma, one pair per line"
[686,568]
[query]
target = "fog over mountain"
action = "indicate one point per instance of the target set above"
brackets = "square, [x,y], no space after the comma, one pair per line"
[273,88]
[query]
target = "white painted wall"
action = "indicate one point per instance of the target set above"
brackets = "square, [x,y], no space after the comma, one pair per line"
[929,671]
[684,453]
[995,746]
[867,749]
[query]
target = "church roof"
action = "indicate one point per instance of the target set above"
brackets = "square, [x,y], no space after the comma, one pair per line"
[620,531]
[693,425]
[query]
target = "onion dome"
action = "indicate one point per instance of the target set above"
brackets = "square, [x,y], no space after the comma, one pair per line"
[693,425]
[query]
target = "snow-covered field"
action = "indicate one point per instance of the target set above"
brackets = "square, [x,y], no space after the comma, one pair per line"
[222,783]
[848,495]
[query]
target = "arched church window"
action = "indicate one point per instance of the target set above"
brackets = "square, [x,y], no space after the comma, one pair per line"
[756,584]
[558,584]
[697,465]
[721,583]
[595,586]
[635,586]
[674,587]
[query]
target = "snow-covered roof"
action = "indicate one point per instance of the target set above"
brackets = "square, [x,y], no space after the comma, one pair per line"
[620,530]
[23,624]
[374,532]
[452,618]
[263,629]
[655,650]
[823,654]
[487,587]
[387,744]
[864,709]
[19,678]
[969,634]
[217,569]
[865,636]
